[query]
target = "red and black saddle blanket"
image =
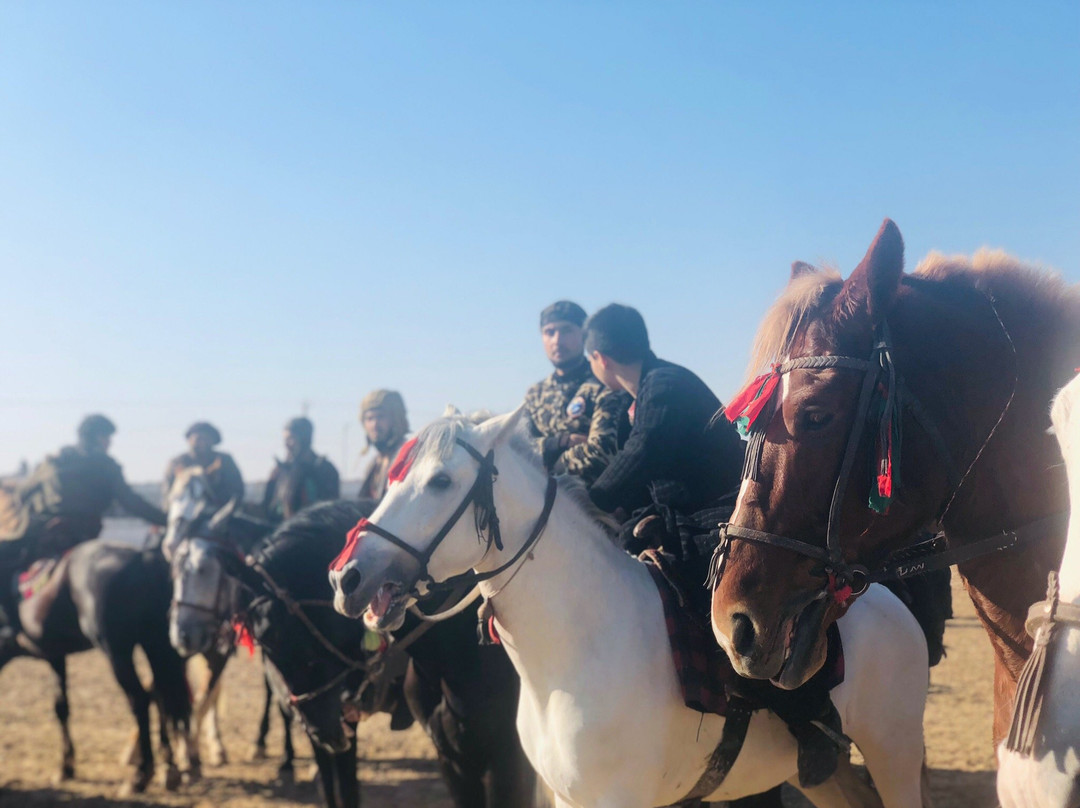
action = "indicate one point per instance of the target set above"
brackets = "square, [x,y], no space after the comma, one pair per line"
[706,677]
[34,578]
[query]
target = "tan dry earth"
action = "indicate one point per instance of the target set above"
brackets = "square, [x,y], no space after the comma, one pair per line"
[397,768]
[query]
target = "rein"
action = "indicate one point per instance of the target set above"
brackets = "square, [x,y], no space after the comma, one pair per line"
[481,495]
[295,607]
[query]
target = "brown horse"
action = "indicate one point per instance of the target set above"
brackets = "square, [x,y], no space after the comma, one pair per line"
[897,402]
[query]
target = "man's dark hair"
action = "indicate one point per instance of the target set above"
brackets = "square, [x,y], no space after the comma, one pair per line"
[95,426]
[619,332]
[302,429]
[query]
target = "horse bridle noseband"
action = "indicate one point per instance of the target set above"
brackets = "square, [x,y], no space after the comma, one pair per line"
[482,496]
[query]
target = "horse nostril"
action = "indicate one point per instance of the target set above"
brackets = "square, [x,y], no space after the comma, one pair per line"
[742,634]
[350,581]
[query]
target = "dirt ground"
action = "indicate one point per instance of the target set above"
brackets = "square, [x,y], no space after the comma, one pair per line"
[397,769]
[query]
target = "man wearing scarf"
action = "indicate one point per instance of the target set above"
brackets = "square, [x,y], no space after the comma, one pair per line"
[577,423]
[382,414]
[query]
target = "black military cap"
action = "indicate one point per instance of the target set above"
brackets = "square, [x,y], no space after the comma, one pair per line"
[205,428]
[563,311]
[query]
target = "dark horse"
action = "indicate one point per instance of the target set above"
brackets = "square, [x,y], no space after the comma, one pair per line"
[464,695]
[896,402]
[113,597]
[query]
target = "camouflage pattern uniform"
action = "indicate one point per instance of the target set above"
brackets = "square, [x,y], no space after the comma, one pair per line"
[576,403]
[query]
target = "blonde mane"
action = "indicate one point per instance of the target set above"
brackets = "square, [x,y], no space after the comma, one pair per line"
[1002,276]
[782,322]
[1028,288]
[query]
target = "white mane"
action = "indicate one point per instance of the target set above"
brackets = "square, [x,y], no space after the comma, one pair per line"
[439,438]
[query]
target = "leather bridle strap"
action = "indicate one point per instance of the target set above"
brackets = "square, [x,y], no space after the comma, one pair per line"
[485,476]
[295,608]
[481,490]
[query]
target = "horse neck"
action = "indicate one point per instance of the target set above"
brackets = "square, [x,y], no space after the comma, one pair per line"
[975,380]
[1069,577]
[572,588]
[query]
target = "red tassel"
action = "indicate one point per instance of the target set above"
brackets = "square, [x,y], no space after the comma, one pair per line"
[744,409]
[402,463]
[352,541]
[244,638]
[493,632]
[841,594]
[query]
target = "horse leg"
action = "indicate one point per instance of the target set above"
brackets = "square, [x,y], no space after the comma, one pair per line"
[259,752]
[285,771]
[459,763]
[511,779]
[172,695]
[325,762]
[123,667]
[845,789]
[218,756]
[60,705]
[345,776]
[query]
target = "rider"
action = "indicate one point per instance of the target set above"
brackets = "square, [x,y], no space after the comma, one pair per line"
[679,460]
[578,424]
[382,414]
[222,474]
[677,457]
[62,503]
[303,479]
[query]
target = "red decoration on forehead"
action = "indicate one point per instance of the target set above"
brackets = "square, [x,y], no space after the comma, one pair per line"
[352,541]
[751,401]
[402,463]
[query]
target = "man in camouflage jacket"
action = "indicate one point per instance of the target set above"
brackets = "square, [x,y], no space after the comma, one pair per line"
[578,423]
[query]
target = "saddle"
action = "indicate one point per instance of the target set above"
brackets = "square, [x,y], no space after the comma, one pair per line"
[710,684]
[38,588]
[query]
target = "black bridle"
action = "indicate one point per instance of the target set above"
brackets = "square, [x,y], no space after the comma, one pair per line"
[482,497]
[848,579]
[225,612]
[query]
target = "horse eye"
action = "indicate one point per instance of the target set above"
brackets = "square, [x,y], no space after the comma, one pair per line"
[440,482]
[816,419]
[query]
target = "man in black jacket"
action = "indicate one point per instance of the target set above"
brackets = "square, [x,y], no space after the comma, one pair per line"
[303,479]
[673,457]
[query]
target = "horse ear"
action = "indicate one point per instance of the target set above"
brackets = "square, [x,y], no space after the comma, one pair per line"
[800,268]
[872,287]
[502,426]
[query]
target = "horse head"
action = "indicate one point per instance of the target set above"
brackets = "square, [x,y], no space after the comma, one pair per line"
[802,522]
[416,541]
[205,595]
[318,655]
[188,508]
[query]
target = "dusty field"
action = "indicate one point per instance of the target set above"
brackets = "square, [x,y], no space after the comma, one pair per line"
[397,768]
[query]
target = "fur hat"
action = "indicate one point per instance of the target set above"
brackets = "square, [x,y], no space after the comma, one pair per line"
[390,402]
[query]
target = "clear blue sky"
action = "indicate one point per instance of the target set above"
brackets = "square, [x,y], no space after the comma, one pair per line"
[222,210]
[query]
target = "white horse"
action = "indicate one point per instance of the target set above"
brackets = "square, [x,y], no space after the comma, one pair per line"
[601,715]
[1050,776]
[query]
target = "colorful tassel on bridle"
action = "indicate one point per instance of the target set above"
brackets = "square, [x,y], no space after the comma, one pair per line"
[748,405]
